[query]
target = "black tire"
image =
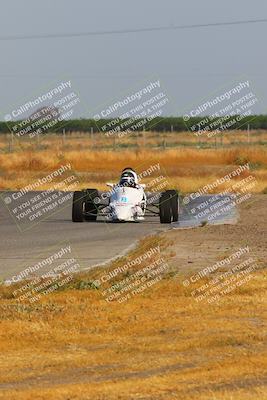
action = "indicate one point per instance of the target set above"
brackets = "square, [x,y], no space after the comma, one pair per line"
[174,204]
[165,212]
[90,206]
[77,206]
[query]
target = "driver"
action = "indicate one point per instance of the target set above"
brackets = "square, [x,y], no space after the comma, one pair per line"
[128,178]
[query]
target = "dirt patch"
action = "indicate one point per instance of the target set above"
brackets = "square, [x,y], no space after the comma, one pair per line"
[199,248]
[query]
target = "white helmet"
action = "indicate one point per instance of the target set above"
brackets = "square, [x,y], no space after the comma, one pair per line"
[129,178]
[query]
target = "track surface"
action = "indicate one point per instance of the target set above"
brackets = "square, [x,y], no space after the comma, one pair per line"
[23,245]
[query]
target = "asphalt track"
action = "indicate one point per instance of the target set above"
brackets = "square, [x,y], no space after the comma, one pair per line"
[24,243]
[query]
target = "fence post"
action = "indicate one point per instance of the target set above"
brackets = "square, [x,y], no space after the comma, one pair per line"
[92,136]
[11,142]
[144,138]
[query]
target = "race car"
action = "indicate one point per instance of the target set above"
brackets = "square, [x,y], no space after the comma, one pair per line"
[126,201]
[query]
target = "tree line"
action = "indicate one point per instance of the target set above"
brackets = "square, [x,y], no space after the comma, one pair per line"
[158,124]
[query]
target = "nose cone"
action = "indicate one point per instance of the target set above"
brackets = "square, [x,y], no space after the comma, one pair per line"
[123,213]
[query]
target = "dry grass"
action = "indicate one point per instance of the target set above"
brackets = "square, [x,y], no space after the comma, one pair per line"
[161,344]
[185,168]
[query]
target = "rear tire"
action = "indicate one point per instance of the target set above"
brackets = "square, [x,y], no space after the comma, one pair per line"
[90,206]
[165,212]
[77,206]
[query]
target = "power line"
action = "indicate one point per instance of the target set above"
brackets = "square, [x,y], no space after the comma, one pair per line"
[130,76]
[124,31]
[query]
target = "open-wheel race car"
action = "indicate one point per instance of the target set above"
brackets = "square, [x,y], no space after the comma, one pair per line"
[126,201]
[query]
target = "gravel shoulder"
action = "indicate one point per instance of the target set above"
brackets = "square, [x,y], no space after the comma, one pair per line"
[198,248]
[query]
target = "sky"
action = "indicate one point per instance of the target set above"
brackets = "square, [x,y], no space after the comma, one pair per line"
[191,64]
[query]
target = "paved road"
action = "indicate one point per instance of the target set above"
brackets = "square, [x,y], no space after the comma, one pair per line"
[30,233]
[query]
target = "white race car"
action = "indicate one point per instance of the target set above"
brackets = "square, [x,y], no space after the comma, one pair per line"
[126,201]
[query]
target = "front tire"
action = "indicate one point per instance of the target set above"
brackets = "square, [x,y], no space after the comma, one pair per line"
[90,206]
[77,206]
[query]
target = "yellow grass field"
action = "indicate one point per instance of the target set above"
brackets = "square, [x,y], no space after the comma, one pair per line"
[159,345]
[186,168]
